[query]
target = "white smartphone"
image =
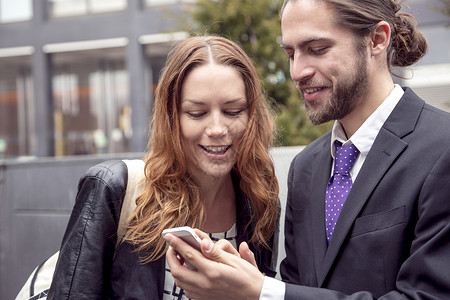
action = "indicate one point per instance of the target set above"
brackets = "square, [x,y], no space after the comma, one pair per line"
[188,235]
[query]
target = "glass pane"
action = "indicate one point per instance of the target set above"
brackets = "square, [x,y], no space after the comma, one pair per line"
[67,8]
[99,6]
[92,108]
[166,2]
[159,2]
[9,130]
[15,10]
[16,107]
[156,55]
[437,42]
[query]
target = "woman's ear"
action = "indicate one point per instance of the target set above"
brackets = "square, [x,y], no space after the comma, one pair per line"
[380,38]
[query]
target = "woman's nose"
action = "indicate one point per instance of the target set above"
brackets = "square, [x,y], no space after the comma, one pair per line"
[217,126]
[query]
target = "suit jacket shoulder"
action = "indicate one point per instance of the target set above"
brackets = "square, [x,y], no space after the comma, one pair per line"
[393,230]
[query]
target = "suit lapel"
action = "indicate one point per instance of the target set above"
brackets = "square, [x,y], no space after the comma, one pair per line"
[377,163]
[387,147]
[320,175]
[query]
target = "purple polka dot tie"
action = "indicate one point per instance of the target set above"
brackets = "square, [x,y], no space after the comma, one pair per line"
[339,184]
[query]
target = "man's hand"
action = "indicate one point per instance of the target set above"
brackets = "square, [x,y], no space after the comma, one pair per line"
[221,272]
[244,250]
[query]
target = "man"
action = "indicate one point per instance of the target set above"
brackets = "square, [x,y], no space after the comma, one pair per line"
[391,239]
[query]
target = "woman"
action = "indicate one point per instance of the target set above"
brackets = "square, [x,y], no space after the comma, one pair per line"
[207,167]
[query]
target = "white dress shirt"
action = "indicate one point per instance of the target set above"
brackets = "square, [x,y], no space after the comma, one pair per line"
[363,139]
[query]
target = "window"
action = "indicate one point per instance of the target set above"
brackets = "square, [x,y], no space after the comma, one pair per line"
[149,3]
[91,104]
[16,107]
[68,8]
[15,10]
[438,45]
[156,55]
[157,46]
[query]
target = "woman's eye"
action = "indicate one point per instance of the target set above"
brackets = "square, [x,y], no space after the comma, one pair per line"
[234,113]
[195,115]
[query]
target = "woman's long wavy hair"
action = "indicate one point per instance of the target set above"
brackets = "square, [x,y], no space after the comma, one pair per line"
[171,196]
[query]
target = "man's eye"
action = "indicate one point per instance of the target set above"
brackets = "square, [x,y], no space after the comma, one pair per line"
[319,51]
[290,55]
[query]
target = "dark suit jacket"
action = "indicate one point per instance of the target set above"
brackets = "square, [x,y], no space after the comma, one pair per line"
[392,239]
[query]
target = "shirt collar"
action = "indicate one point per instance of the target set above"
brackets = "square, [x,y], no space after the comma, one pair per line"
[365,136]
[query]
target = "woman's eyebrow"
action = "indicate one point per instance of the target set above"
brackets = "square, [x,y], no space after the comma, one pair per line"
[193,101]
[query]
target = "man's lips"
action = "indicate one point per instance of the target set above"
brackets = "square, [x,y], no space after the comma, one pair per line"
[312,90]
[312,93]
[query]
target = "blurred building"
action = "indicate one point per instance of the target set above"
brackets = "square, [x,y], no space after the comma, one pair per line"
[77,76]
[430,78]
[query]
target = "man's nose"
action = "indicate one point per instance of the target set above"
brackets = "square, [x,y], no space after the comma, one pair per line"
[301,69]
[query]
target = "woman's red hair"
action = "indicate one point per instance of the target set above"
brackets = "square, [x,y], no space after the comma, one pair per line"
[171,197]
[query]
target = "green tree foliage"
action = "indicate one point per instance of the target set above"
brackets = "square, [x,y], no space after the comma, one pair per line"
[255,25]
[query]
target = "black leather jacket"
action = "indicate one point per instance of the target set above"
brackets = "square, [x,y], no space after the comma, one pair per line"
[90,267]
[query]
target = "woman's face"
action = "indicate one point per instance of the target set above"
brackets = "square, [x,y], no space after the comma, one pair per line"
[213,116]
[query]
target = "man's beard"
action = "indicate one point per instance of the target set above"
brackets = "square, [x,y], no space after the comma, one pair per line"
[344,98]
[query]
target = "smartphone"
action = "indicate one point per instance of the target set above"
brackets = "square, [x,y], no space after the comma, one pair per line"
[188,235]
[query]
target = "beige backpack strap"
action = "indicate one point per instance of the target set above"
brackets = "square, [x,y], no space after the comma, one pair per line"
[135,187]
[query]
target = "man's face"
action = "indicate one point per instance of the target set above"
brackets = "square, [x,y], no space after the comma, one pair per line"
[325,64]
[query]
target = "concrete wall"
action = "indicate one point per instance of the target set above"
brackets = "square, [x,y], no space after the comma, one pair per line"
[36,198]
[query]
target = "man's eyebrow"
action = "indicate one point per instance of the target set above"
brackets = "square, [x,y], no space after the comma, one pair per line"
[305,43]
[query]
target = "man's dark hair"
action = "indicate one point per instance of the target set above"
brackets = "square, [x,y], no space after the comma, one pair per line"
[407,45]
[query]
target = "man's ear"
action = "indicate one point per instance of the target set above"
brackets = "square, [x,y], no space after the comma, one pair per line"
[380,38]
